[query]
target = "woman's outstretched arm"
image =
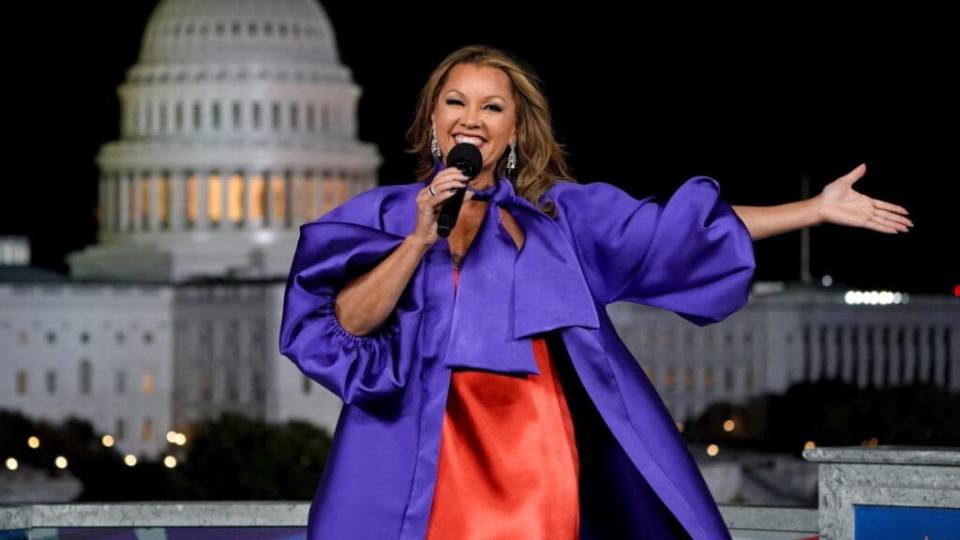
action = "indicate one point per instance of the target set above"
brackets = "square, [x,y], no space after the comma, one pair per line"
[838,203]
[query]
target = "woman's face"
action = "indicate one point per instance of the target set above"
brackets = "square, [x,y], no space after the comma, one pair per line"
[476,101]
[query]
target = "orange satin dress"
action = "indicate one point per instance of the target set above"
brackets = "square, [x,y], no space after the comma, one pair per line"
[508,466]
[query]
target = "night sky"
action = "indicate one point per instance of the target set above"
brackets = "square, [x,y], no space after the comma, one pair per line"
[641,100]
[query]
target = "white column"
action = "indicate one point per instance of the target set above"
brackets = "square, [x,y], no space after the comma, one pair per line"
[893,368]
[137,201]
[155,195]
[849,361]
[298,198]
[816,356]
[863,358]
[203,176]
[830,338]
[109,215]
[939,356]
[318,177]
[125,179]
[925,353]
[353,184]
[102,201]
[247,200]
[110,210]
[876,359]
[288,200]
[910,360]
[270,220]
[225,174]
[178,199]
[953,358]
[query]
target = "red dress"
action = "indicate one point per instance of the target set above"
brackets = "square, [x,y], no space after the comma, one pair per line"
[508,465]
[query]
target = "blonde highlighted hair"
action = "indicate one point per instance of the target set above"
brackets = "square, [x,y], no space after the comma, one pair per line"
[541,160]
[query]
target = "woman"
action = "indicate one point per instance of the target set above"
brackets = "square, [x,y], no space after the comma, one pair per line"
[486,393]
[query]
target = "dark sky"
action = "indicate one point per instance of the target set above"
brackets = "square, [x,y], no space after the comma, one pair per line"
[643,100]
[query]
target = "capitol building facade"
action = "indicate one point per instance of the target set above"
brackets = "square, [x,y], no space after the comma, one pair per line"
[238,126]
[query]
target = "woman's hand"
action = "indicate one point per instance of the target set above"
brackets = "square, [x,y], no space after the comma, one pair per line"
[838,203]
[444,184]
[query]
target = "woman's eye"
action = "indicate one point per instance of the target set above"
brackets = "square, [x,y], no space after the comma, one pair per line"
[493,107]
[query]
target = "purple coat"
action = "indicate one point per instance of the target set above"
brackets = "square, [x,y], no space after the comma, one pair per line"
[691,255]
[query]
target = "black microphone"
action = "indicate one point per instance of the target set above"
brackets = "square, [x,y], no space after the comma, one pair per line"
[468,159]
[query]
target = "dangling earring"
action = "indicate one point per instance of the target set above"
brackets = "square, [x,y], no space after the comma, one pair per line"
[435,146]
[512,159]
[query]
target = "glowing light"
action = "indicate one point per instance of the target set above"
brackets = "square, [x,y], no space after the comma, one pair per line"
[826,280]
[809,445]
[107,440]
[181,439]
[61,462]
[171,436]
[729,426]
[12,464]
[170,462]
[33,442]
[713,450]
[875,298]
[130,460]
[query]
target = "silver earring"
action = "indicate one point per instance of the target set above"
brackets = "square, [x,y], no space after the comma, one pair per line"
[512,158]
[435,146]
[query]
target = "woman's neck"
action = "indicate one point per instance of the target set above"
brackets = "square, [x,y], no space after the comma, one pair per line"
[482,180]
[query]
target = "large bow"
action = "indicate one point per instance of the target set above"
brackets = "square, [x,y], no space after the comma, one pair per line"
[504,297]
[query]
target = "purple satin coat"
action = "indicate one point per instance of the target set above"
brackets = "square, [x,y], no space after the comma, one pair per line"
[691,255]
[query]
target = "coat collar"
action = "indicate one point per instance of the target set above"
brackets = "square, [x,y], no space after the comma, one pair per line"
[505,296]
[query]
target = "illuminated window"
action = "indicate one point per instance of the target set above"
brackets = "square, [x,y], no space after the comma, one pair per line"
[146,430]
[21,382]
[214,198]
[235,198]
[308,197]
[258,197]
[147,383]
[193,198]
[144,190]
[278,191]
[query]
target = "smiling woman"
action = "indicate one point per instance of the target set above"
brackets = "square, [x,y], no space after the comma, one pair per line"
[486,392]
[476,105]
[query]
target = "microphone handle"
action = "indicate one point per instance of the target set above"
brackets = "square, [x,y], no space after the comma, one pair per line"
[449,212]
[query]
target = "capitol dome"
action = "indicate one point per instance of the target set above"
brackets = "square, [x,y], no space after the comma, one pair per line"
[239,30]
[238,124]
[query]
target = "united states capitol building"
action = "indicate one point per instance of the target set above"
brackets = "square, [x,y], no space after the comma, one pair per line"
[239,125]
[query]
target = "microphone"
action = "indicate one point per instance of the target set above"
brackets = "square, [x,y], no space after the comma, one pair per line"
[468,159]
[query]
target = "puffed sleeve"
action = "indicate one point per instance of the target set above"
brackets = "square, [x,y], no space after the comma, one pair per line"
[330,252]
[691,254]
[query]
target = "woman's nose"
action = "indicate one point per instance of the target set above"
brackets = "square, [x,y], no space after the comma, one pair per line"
[470,120]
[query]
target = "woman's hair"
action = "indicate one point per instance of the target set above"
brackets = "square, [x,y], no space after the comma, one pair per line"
[541,160]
